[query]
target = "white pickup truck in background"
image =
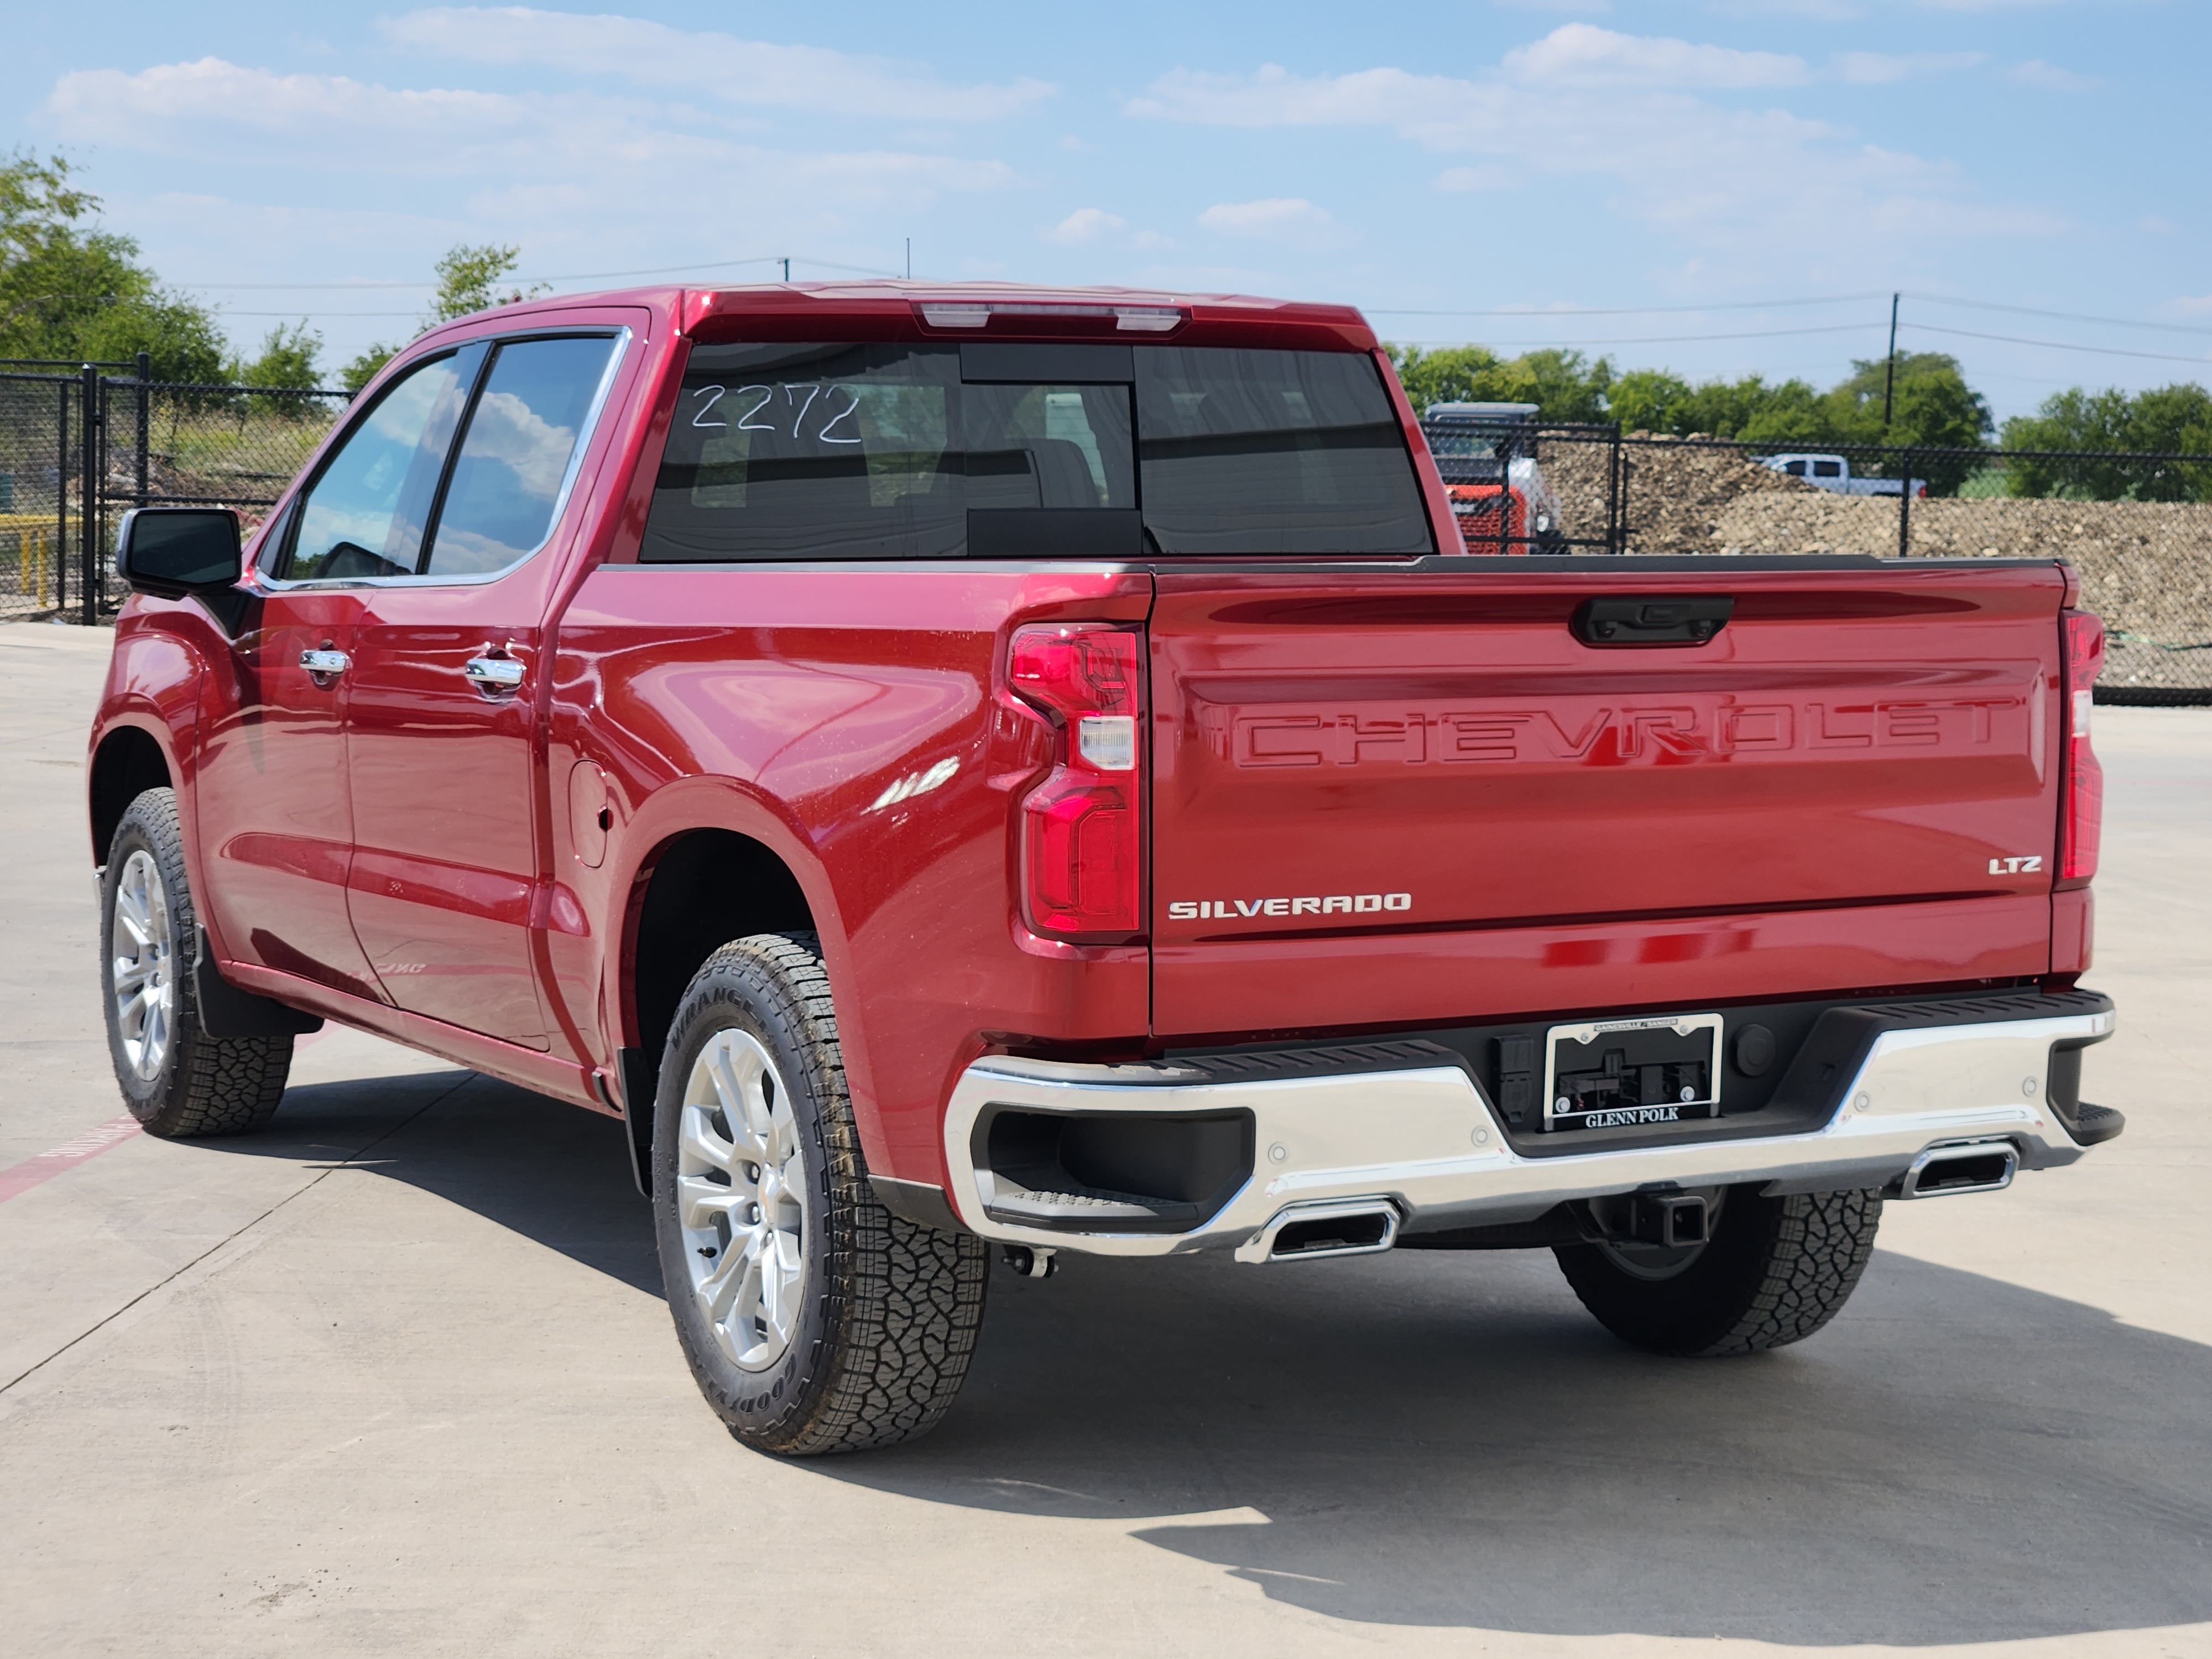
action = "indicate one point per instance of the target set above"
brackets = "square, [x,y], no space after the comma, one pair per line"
[1833,472]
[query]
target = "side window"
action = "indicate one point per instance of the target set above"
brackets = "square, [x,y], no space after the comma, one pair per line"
[364,516]
[1827,469]
[1794,468]
[515,457]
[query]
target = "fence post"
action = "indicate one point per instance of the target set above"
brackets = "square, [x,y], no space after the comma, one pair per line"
[88,517]
[61,500]
[1613,492]
[1904,511]
[145,374]
[1620,494]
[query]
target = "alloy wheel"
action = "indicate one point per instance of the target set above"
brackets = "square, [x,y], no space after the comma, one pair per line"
[143,966]
[741,1201]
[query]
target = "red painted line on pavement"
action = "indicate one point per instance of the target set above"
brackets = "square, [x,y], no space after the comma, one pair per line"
[31,1171]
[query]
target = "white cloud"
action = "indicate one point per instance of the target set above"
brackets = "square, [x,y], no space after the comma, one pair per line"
[1986,5]
[2049,77]
[1291,220]
[1584,55]
[2155,225]
[1691,167]
[1556,5]
[1086,225]
[1871,68]
[1273,97]
[214,109]
[2195,306]
[741,72]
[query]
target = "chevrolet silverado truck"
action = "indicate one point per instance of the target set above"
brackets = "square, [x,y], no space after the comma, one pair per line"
[959,770]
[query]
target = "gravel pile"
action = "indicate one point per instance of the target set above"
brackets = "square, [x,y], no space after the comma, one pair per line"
[2146,567]
[1676,487]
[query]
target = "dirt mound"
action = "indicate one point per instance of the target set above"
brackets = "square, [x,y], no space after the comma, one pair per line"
[2146,567]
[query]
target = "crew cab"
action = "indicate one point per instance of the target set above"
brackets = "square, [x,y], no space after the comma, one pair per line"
[976,769]
[1833,474]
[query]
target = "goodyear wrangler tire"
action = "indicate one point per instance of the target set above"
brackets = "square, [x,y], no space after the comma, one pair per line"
[1776,1271]
[813,1319]
[178,1081]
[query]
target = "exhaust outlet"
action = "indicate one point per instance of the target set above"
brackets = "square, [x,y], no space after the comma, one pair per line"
[1305,1232]
[1941,1171]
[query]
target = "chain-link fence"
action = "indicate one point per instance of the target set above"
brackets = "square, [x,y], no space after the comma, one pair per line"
[66,481]
[2138,527]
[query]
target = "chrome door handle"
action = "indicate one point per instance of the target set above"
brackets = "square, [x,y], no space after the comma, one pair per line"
[492,674]
[323,666]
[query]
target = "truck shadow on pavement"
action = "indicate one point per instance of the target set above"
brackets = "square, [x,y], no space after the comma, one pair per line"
[1444,1439]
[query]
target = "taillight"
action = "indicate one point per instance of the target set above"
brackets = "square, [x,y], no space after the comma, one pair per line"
[1082,828]
[2082,817]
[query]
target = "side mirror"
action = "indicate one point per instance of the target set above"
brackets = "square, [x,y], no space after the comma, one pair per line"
[173,551]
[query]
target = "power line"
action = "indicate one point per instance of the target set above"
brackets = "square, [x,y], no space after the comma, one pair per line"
[1662,339]
[2062,316]
[1633,311]
[2202,361]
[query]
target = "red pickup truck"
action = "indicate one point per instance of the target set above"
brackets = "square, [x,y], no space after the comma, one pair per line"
[984,767]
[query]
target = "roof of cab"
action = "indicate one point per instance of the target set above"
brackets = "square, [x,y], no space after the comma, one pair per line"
[891,309]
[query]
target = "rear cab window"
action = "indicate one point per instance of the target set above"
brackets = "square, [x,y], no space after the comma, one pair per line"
[994,449]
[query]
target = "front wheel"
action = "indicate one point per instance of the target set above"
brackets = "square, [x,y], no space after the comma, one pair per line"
[814,1320]
[1775,1271]
[178,1081]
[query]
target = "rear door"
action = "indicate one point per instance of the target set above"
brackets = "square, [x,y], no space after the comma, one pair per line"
[440,726]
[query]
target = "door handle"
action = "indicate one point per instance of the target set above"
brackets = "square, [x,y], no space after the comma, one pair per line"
[323,666]
[494,676]
[1689,619]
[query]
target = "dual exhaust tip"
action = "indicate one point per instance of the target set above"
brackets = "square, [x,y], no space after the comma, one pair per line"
[1308,1232]
[1369,1226]
[1985,1166]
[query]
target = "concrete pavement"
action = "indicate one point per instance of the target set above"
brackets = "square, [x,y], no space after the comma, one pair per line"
[394,1377]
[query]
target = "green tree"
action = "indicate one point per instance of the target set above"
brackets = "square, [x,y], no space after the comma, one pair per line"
[1563,385]
[1931,407]
[1655,400]
[469,280]
[72,291]
[2169,420]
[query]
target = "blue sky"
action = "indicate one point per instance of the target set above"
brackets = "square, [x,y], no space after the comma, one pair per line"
[1650,180]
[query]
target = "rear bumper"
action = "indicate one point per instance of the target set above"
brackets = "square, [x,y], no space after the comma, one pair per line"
[1422,1136]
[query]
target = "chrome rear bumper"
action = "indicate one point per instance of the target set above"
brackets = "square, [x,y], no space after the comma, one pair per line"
[1425,1139]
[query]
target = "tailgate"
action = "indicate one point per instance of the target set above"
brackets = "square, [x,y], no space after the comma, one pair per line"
[1382,798]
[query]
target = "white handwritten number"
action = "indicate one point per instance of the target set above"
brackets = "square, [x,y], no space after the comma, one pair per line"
[745,421]
[842,415]
[812,393]
[700,419]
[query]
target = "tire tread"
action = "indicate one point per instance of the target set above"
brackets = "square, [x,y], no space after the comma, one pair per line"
[215,1085]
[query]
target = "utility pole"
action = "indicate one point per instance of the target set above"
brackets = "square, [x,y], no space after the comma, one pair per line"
[1889,374]
[787,272]
[909,258]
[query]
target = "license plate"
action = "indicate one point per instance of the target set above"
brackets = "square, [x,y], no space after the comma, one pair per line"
[1626,1073]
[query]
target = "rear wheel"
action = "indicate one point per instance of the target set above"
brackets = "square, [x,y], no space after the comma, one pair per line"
[1775,1271]
[178,1081]
[813,1319]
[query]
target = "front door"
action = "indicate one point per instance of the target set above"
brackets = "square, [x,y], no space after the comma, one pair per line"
[275,819]
[441,714]
[275,836]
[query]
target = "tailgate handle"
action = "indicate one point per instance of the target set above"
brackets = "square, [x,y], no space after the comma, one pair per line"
[1666,619]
